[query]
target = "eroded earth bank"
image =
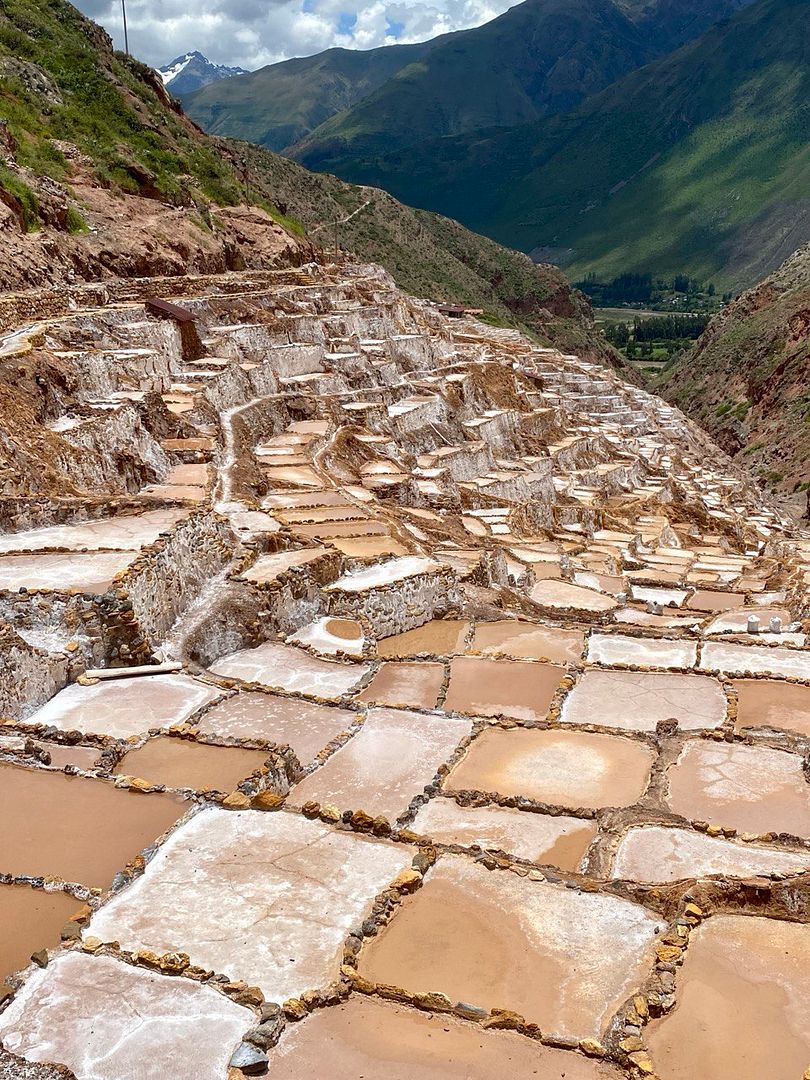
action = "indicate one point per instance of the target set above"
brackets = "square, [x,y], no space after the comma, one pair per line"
[385,695]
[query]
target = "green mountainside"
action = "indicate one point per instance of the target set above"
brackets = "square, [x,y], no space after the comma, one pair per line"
[747,380]
[280,104]
[89,135]
[697,163]
[540,58]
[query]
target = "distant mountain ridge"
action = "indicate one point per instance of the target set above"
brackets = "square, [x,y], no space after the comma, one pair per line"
[192,71]
[696,163]
[539,58]
[280,104]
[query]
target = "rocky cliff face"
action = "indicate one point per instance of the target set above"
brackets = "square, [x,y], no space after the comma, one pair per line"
[747,381]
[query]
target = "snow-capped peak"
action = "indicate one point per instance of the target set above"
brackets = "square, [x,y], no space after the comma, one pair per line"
[193,70]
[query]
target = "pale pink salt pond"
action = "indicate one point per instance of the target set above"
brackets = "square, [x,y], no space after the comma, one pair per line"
[89,573]
[366,1037]
[284,667]
[126,706]
[391,759]
[409,685]
[107,1020]
[657,853]
[304,725]
[750,788]
[268,898]
[741,1004]
[562,959]
[638,700]
[542,838]
[552,593]
[529,641]
[561,768]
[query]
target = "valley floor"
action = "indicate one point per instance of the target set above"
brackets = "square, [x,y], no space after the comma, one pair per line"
[386,695]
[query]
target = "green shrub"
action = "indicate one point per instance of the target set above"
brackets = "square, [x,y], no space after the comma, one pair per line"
[76,225]
[24,195]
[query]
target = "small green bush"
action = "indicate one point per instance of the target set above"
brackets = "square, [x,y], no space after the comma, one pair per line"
[24,195]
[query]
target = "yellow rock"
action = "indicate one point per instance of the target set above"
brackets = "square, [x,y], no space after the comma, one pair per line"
[237,800]
[407,881]
[267,800]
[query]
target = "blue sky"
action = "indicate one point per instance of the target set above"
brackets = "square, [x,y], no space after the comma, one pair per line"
[251,33]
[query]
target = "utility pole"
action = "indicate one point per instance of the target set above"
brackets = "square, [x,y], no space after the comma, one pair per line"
[336,239]
[126,36]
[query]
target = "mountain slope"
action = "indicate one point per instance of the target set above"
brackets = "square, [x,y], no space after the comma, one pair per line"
[101,176]
[747,380]
[698,162]
[540,57]
[279,104]
[192,71]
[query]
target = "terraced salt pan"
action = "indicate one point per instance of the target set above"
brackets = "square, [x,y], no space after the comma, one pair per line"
[515,688]
[562,768]
[741,1011]
[439,637]
[780,705]
[552,593]
[385,573]
[665,597]
[755,660]
[331,636]
[638,700]
[77,829]
[128,532]
[268,568]
[736,622]
[371,1038]
[36,917]
[704,600]
[751,788]
[560,841]
[562,959]
[529,641]
[90,573]
[267,898]
[391,759]
[107,1020]
[284,667]
[182,763]
[126,706]
[303,725]
[656,853]
[641,652]
[411,685]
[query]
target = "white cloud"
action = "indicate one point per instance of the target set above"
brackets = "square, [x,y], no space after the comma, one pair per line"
[252,33]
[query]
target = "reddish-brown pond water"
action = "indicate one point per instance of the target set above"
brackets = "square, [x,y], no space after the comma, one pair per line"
[30,919]
[181,763]
[75,828]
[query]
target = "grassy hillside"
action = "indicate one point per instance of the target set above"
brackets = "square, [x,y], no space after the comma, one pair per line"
[280,104]
[697,163]
[100,174]
[429,255]
[747,380]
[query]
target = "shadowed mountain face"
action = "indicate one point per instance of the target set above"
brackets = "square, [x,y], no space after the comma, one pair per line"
[696,163]
[539,58]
